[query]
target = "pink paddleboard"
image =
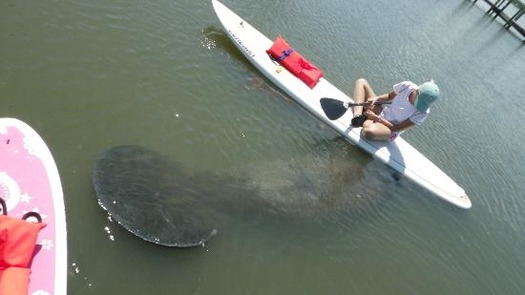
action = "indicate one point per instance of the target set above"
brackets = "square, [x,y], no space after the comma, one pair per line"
[29,181]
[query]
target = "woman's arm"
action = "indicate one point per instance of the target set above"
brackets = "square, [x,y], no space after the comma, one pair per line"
[383,97]
[375,102]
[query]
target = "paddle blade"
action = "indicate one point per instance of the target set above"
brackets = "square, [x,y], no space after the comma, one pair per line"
[333,108]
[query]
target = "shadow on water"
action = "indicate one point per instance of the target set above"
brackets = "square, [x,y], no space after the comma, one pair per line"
[158,201]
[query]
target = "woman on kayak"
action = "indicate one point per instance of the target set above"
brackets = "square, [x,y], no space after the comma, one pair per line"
[410,106]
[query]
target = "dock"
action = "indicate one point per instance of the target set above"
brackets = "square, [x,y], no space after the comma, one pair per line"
[510,11]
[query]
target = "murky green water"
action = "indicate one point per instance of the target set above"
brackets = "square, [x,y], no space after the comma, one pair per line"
[162,75]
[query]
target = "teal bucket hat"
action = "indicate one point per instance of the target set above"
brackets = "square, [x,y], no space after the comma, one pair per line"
[427,93]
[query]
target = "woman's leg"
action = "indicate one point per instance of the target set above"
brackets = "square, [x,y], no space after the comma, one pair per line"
[362,92]
[375,131]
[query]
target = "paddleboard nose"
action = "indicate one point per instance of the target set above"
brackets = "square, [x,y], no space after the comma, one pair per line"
[465,202]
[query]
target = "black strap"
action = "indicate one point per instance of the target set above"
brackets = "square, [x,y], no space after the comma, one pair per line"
[4,206]
[32,214]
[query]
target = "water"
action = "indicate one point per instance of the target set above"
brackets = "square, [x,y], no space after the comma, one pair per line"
[163,75]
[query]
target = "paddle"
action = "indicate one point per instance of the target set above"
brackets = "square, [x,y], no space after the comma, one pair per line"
[335,109]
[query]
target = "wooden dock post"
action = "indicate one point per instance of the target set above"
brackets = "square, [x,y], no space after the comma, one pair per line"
[497,7]
[521,10]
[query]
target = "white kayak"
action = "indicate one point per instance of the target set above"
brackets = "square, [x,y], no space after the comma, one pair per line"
[398,154]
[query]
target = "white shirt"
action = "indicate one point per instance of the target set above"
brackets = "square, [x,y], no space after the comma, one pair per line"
[401,108]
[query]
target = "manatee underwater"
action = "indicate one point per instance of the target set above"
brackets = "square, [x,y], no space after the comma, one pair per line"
[156,199]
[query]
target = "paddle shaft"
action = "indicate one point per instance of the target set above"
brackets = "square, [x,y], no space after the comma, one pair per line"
[366,103]
[334,108]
